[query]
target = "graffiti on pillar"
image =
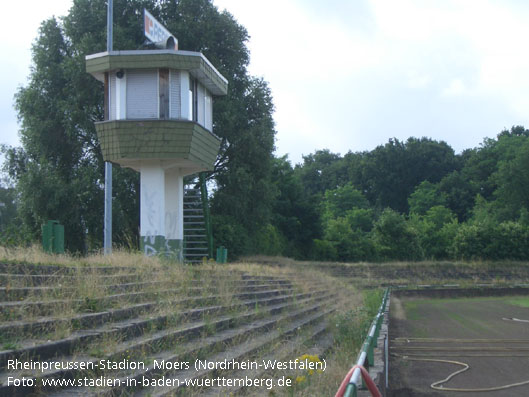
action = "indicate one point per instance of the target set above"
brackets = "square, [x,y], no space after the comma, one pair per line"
[149,250]
[150,207]
[155,240]
[149,247]
[149,227]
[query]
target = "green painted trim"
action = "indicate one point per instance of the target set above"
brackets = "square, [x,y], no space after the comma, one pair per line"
[159,245]
[351,390]
[157,139]
[196,63]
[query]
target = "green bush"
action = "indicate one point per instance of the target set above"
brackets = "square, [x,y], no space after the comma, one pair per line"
[507,240]
[350,243]
[435,231]
[269,241]
[323,250]
[231,234]
[395,238]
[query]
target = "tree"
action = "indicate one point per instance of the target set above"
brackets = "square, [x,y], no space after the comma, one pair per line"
[459,194]
[293,214]
[395,238]
[53,169]
[338,201]
[245,192]
[391,172]
[512,180]
[425,196]
[435,230]
[321,171]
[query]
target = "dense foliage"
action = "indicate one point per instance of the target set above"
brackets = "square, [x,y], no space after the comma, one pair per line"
[418,200]
[404,200]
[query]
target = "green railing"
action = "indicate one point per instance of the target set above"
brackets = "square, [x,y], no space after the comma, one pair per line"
[366,357]
[205,208]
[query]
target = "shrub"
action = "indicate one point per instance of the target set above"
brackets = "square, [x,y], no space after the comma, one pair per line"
[269,241]
[323,250]
[394,238]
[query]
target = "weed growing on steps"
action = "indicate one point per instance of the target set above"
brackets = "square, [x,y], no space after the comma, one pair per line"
[7,343]
[349,328]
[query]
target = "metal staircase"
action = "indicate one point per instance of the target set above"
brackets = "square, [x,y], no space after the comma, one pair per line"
[197,231]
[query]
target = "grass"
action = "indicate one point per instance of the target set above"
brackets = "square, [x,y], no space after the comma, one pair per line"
[370,275]
[522,301]
[82,288]
[349,328]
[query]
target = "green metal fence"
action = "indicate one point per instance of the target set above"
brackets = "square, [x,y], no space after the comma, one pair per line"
[366,357]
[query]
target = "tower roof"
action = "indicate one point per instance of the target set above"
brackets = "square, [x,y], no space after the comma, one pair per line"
[194,62]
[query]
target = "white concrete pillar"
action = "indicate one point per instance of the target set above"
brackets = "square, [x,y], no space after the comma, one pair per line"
[174,204]
[152,208]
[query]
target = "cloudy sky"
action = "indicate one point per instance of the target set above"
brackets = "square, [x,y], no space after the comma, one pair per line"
[350,74]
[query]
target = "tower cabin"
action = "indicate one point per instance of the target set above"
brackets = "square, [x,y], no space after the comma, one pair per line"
[159,122]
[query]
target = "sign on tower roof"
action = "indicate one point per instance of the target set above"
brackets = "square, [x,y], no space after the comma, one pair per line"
[157,33]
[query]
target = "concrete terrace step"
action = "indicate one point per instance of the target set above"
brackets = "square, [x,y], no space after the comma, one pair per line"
[20,293]
[290,348]
[145,314]
[87,320]
[117,329]
[48,304]
[28,268]
[233,338]
[15,279]
[241,352]
[143,344]
[17,310]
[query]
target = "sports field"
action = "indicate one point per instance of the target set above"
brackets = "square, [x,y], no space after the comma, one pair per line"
[485,338]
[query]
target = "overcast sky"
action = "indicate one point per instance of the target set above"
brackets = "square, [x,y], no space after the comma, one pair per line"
[350,74]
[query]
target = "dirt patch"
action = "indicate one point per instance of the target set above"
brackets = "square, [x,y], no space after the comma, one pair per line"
[472,331]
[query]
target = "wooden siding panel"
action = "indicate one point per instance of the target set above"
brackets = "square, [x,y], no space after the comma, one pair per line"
[164,93]
[174,93]
[200,104]
[112,115]
[208,111]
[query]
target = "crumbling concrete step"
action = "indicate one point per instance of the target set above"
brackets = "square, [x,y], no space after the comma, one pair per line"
[28,268]
[91,320]
[189,350]
[16,310]
[290,348]
[118,330]
[145,343]
[236,353]
[28,280]
[19,293]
